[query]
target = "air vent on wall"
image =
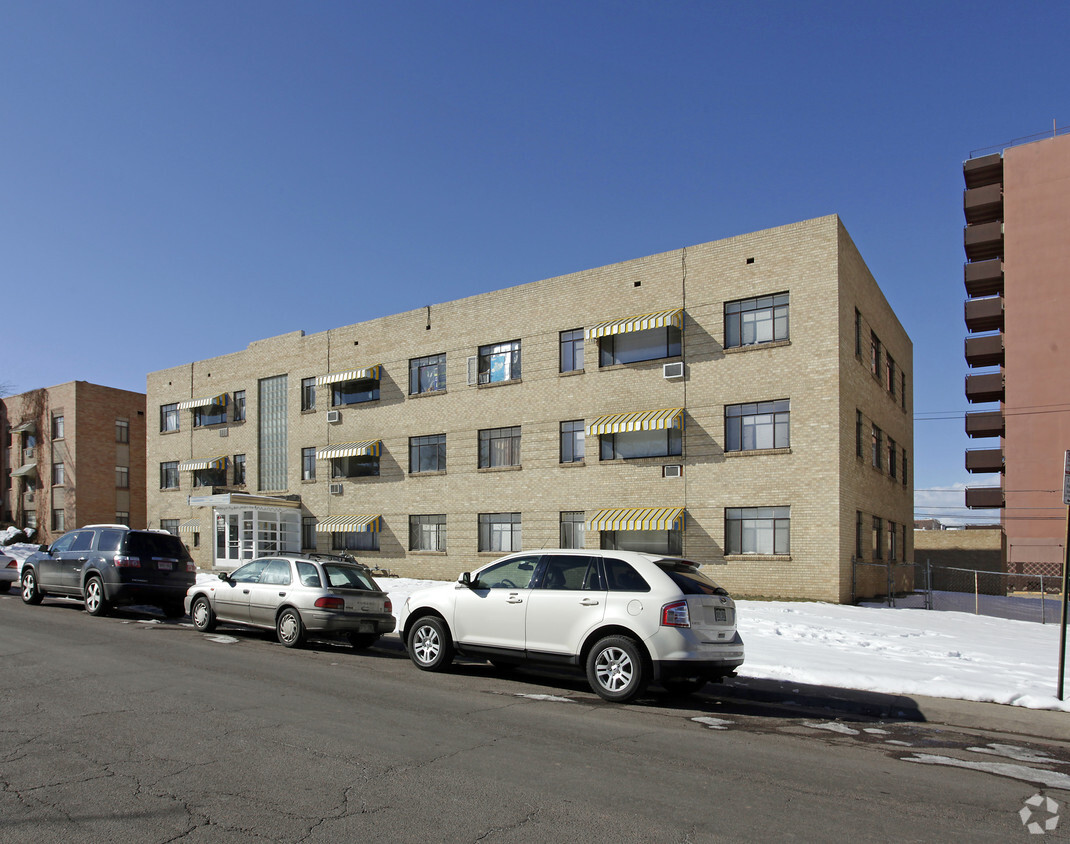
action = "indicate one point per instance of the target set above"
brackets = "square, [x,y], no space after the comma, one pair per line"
[673,470]
[673,370]
[336,489]
[334,416]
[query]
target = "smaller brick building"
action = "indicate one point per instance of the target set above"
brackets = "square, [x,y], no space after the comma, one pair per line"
[71,455]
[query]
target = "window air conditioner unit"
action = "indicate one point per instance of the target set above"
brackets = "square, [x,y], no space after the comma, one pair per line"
[336,489]
[673,370]
[334,416]
[224,432]
[674,470]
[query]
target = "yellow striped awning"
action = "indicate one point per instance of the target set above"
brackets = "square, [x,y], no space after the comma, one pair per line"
[638,518]
[350,524]
[366,448]
[25,470]
[371,373]
[197,465]
[660,319]
[193,404]
[190,526]
[644,420]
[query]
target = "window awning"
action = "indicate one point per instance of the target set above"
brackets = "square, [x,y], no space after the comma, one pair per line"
[367,448]
[197,465]
[25,428]
[350,524]
[644,420]
[642,322]
[193,404]
[190,526]
[371,373]
[25,470]
[638,518]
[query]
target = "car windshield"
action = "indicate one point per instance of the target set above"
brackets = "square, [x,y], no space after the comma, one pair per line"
[690,580]
[348,577]
[155,545]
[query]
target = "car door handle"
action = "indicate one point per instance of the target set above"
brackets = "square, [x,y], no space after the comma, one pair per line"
[82,559]
[514,599]
[282,594]
[246,591]
[588,602]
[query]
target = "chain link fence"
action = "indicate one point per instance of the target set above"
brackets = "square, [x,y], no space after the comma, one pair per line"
[1032,592]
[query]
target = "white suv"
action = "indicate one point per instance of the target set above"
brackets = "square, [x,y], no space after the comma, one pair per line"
[624,617]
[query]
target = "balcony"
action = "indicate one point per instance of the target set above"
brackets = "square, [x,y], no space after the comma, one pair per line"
[985,351]
[984,497]
[984,460]
[984,278]
[984,314]
[986,423]
[983,205]
[984,388]
[983,241]
[986,170]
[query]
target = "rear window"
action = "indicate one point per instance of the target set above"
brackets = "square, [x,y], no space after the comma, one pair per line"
[155,545]
[348,577]
[110,540]
[690,580]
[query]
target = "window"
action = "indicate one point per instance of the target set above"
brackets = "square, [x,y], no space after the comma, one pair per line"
[169,475]
[858,333]
[58,475]
[354,392]
[902,389]
[308,467]
[58,522]
[903,548]
[892,461]
[499,447]
[749,427]
[874,355]
[121,518]
[622,577]
[364,540]
[858,434]
[508,574]
[877,441]
[308,393]
[626,445]
[572,448]
[889,381]
[168,418]
[211,477]
[499,362]
[667,542]
[169,525]
[239,406]
[572,572]
[239,469]
[904,467]
[891,542]
[573,534]
[748,322]
[499,532]
[358,466]
[210,414]
[878,538]
[427,454]
[271,420]
[122,477]
[122,431]
[758,530]
[308,533]
[57,427]
[859,533]
[636,346]
[427,375]
[427,533]
[572,350]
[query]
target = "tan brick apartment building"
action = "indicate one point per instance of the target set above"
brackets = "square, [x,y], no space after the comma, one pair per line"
[1017,243]
[73,454]
[744,402]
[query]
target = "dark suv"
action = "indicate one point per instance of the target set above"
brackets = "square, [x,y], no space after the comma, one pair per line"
[112,565]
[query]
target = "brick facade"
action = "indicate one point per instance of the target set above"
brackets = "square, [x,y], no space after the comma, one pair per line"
[819,476]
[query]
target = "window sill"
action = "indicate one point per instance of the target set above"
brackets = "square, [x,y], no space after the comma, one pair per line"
[653,460]
[772,558]
[492,384]
[754,452]
[774,344]
[570,373]
[427,394]
[573,464]
[174,431]
[308,481]
[307,411]
[170,489]
[430,472]
[499,468]
[428,553]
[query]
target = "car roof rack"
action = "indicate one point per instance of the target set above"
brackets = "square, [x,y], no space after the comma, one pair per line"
[338,558]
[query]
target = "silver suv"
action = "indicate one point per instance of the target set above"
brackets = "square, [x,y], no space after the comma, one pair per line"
[624,617]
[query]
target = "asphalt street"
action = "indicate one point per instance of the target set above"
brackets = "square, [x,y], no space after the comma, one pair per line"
[133,729]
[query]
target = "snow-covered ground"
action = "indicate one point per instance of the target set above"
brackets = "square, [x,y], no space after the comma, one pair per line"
[894,651]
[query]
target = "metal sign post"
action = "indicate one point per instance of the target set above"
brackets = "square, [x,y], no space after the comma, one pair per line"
[1066,572]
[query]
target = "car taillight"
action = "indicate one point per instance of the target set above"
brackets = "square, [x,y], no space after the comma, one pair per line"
[675,615]
[328,603]
[191,567]
[14,564]
[389,606]
[127,562]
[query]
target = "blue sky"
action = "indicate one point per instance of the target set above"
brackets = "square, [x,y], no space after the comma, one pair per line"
[309,165]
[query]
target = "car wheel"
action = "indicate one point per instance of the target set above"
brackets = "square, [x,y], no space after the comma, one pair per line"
[202,615]
[289,629]
[683,686]
[95,601]
[430,645]
[362,641]
[617,669]
[31,592]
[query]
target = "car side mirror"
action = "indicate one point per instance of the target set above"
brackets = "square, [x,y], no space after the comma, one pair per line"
[43,549]
[224,576]
[465,579]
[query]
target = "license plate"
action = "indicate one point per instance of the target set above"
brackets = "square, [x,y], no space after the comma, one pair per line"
[719,614]
[164,565]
